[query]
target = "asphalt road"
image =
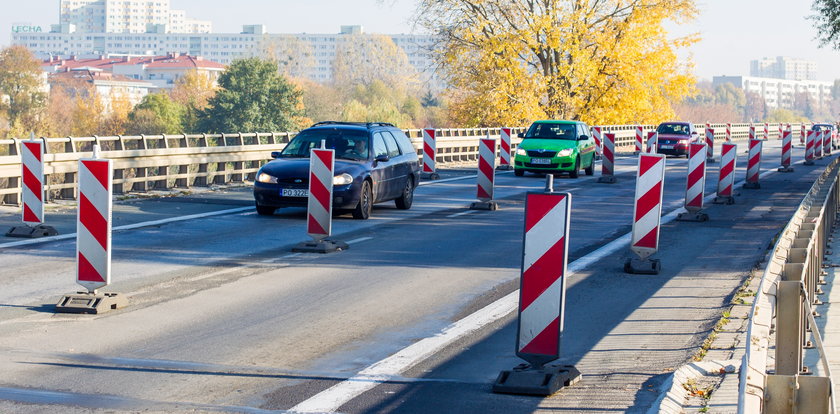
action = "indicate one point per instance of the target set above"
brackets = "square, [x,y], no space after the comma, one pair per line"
[224,318]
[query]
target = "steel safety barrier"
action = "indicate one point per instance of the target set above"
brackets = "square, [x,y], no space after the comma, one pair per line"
[781,324]
[148,162]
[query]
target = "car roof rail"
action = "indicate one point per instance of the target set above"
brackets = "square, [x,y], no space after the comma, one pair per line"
[367,124]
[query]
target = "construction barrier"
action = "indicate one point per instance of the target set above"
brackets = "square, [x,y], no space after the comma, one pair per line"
[710,145]
[787,146]
[695,184]
[754,164]
[608,160]
[728,132]
[596,135]
[802,134]
[486,175]
[826,143]
[766,131]
[319,205]
[639,139]
[726,177]
[32,206]
[647,212]
[542,291]
[652,141]
[752,132]
[504,159]
[429,154]
[818,144]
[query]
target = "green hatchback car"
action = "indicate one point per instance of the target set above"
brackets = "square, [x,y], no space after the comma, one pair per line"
[553,147]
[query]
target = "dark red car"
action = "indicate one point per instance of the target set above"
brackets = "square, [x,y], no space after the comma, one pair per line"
[674,138]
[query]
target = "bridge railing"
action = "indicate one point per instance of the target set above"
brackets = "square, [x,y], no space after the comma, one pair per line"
[147,162]
[782,323]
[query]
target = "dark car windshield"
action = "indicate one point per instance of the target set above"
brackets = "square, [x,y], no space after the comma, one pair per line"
[820,127]
[552,131]
[673,129]
[349,144]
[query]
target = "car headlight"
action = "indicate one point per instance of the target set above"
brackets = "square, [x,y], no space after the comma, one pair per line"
[343,179]
[520,151]
[265,178]
[565,153]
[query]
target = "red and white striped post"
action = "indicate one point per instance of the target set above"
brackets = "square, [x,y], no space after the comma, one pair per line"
[542,294]
[752,132]
[640,132]
[319,204]
[710,145]
[766,131]
[802,133]
[652,142]
[754,164]
[695,184]
[32,192]
[486,175]
[787,147]
[647,212]
[504,158]
[726,177]
[826,142]
[818,145]
[596,135]
[728,132]
[809,147]
[608,160]
[429,154]
[781,130]
[93,239]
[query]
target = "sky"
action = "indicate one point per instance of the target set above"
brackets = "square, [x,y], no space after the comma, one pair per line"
[733,32]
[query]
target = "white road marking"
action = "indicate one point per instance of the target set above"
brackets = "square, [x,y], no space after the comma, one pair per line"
[359,240]
[466,177]
[130,226]
[334,397]
[463,213]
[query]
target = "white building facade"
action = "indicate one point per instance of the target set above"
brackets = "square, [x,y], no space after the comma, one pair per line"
[780,93]
[782,67]
[127,16]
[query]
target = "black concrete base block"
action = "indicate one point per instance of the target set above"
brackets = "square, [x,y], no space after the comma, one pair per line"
[724,200]
[543,381]
[785,169]
[505,167]
[87,302]
[30,232]
[484,205]
[710,160]
[430,176]
[642,266]
[322,246]
[808,162]
[752,186]
[607,179]
[689,216]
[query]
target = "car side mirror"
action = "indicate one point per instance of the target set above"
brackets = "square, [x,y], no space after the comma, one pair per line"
[275,154]
[583,137]
[383,158]
[521,135]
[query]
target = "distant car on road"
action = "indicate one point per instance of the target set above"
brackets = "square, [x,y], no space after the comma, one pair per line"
[831,128]
[674,138]
[374,162]
[553,147]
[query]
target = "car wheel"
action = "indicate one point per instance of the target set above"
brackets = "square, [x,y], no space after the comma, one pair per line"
[265,210]
[365,206]
[518,173]
[591,168]
[407,197]
[576,169]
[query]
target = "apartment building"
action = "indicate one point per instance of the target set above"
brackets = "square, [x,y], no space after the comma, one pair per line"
[782,67]
[780,93]
[127,16]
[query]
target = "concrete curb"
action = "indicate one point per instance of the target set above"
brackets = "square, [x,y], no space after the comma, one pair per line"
[674,395]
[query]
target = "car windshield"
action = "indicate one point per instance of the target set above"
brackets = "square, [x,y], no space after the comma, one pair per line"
[820,127]
[349,144]
[673,129]
[552,131]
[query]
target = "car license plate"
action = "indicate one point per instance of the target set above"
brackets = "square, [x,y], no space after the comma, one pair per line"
[294,192]
[666,146]
[542,161]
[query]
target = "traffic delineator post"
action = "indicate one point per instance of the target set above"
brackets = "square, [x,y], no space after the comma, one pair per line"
[802,132]
[504,150]
[608,160]
[826,143]
[640,132]
[810,139]
[93,240]
[647,212]
[818,144]
[728,132]
[652,142]
[726,177]
[319,204]
[486,180]
[754,164]
[596,135]
[787,146]
[542,293]
[710,145]
[766,131]
[695,184]
[32,192]
[429,154]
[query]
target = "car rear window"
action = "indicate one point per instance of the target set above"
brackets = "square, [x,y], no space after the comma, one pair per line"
[552,131]
[403,142]
[347,143]
[673,129]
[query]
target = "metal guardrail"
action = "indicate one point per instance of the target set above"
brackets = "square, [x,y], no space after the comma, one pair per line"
[147,162]
[782,317]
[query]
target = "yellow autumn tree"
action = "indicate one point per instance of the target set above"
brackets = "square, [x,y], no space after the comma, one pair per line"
[193,91]
[601,61]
